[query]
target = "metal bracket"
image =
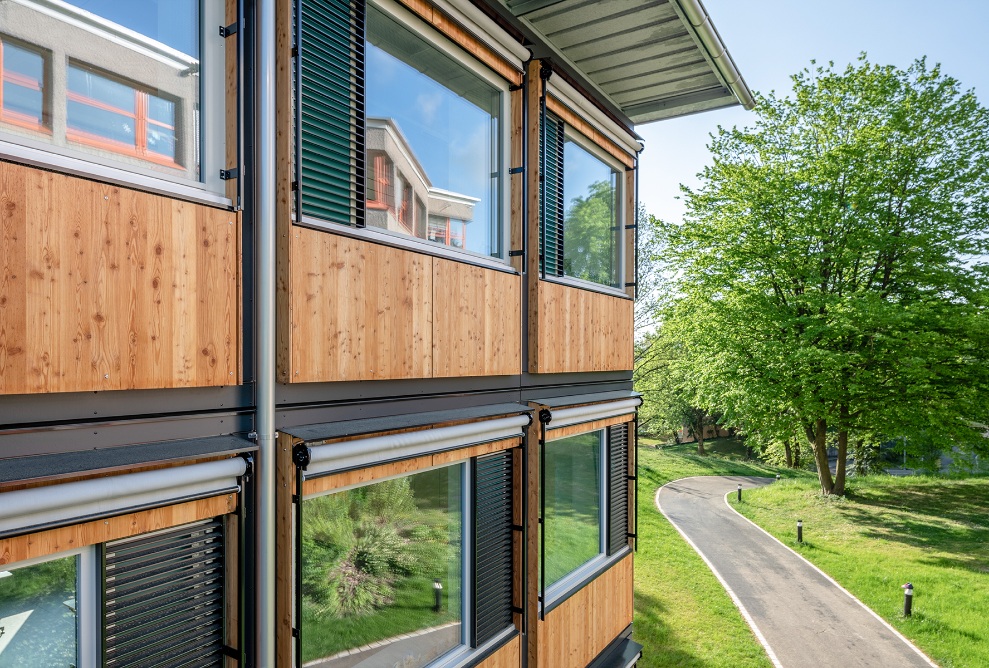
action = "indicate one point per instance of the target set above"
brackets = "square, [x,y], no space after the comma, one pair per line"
[301,455]
[518,527]
[227,174]
[633,226]
[516,253]
[295,633]
[232,29]
[545,416]
[631,285]
[249,458]
[516,170]
[515,87]
[234,654]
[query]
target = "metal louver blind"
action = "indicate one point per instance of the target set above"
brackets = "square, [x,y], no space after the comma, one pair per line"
[551,219]
[492,545]
[163,598]
[331,110]
[617,487]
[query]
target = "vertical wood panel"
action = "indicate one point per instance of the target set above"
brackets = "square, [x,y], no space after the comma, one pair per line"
[285,644]
[516,100]
[477,321]
[508,656]
[586,623]
[106,288]
[581,330]
[535,88]
[359,311]
[630,219]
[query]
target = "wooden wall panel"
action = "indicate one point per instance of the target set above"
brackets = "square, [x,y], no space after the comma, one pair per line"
[583,625]
[584,427]
[588,130]
[51,541]
[105,288]
[477,323]
[630,233]
[359,311]
[581,330]
[508,656]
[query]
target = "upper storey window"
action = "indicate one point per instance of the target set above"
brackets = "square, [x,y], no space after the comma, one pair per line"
[581,235]
[131,85]
[400,131]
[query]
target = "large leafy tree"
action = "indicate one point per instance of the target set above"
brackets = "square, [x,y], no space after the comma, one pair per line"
[829,273]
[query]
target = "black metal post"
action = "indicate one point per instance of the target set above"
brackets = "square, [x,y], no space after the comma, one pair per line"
[800,531]
[739,492]
[907,599]
[438,591]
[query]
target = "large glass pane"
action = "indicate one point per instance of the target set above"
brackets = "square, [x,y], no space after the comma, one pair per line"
[590,217]
[381,572]
[438,124]
[573,504]
[125,79]
[23,83]
[38,609]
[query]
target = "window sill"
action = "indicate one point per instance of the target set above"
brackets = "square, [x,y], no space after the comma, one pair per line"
[66,164]
[465,656]
[562,590]
[587,285]
[413,244]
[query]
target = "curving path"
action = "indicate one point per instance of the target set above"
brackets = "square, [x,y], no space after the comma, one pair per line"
[801,616]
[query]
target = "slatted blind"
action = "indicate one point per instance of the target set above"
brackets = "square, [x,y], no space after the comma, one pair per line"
[617,488]
[163,598]
[331,110]
[551,216]
[492,546]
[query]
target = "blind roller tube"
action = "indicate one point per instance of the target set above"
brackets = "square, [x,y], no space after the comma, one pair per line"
[60,504]
[563,417]
[366,451]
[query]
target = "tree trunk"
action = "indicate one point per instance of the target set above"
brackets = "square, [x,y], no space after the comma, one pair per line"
[789,453]
[820,445]
[699,436]
[839,473]
[796,454]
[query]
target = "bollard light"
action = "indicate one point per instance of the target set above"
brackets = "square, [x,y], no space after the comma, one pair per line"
[800,531]
[739,492]
[907,599]
[777,477]
[438,591]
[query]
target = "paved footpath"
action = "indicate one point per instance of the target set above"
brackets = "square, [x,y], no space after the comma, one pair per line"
[802,617]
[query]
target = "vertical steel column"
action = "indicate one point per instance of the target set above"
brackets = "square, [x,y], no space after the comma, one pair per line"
[265,241]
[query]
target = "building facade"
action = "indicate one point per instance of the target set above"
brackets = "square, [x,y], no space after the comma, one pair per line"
[316,326]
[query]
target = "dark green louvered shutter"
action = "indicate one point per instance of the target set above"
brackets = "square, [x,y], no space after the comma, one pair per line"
[551,215]
[331,110]
[617,488]
[163,598]
[492,546]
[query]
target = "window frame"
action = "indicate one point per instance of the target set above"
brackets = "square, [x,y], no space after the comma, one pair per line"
[88,600]
[42,127]
[212,102]
[436,39]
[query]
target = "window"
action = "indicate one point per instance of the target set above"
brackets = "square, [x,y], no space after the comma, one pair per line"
[385,562]
[581,233]
[127,85]
[43,612]
[425,138]
[584,506]
[22,95]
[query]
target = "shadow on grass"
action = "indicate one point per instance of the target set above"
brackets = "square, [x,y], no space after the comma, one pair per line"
[658,638]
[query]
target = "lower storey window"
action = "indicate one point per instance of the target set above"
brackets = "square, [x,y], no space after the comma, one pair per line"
[382,570]
[39,608]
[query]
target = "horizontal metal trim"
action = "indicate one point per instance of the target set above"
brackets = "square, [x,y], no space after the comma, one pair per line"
[475,21]
[587,285]
[74,502]
[374,236]
[49,160]
[566,417]
[565,401]
[345,455]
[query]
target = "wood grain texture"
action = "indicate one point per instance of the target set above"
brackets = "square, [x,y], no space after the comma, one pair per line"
[630,219]
[105,288]
[563,432]
[531,558]
[285,644]
[464,39]
[284,176]
[359,311]
[231,586]
[580,330]
[507,656]
[516,101]
[585,128]
[51,541]
[477,322]
[535,88]
[369,474]
[583,625]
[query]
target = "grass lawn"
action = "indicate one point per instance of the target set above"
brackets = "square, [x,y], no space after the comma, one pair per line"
[933,532]
[682,614]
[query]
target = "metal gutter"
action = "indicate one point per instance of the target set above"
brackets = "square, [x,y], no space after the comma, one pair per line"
[700,22]
[265,242]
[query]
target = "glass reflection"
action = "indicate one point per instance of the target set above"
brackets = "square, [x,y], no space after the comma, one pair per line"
[590,218]
[38,610]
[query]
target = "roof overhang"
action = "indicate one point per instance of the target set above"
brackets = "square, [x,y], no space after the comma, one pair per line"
[644,60]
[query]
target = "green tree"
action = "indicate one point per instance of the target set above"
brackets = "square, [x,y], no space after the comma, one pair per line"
[831,264]
[589,235]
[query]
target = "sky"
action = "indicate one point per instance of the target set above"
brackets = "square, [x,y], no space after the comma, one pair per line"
[771,39]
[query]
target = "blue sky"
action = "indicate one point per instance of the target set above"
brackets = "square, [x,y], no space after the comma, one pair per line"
[771,39]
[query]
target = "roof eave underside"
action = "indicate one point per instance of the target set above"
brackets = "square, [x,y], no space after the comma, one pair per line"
[651,59]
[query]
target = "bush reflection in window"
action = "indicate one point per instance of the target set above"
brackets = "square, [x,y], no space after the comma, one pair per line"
[38,608]
[371,559]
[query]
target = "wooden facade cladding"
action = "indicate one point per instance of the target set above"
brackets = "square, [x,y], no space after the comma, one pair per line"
[106,288]
[52,541]
[507,656]
[363,311]
[581,627]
